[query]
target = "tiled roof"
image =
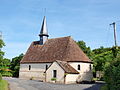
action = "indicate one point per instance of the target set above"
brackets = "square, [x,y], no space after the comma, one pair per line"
[67,67]
[63,49]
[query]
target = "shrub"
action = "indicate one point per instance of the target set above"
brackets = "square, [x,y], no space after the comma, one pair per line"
[112,75]
[7,74]
[104,87]
[53,79]
[32,78]
[0,77]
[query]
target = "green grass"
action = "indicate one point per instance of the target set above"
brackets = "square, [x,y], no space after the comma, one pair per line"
[104,88]
[3,85]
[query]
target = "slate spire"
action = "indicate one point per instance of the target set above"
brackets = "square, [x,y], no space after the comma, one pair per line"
[43,33]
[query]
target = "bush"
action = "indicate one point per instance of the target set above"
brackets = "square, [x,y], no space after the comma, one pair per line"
[53,79]
[32,78]
[112,75]
[104,87]
[0,77]
[7,74]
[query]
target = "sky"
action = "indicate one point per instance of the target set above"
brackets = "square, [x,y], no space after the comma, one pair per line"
[87,20]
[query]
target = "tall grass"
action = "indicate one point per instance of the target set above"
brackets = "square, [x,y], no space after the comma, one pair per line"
[3,85]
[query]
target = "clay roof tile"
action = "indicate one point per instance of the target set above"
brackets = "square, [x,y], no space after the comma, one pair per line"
[64,49]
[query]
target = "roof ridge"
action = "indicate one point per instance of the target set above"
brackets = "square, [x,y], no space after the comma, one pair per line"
[68,66]
[60,37]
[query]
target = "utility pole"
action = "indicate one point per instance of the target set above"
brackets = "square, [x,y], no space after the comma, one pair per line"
[114,27]
[0,35]
[114,49]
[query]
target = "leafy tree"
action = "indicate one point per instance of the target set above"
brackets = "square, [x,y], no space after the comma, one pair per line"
[100,60]
[1,56]
[15,65]
[101,50]
[85,49]
[4,62]
[1,52]
[103,56]
[112,74]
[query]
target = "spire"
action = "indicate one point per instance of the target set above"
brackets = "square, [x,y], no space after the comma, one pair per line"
[43,33]
[44,28]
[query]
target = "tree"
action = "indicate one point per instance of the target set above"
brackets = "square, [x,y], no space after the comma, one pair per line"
[101,59]
[112,74]
[4,62]
[1,52]
[1,55]
[15,65]
[85,49]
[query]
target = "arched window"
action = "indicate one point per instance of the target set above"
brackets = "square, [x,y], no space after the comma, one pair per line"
[54,73]
[90,66]
[29,67]
[79,67]
[46,67]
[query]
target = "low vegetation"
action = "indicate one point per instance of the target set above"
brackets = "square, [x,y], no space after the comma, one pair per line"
[3,84]
[104,87]
[53,79]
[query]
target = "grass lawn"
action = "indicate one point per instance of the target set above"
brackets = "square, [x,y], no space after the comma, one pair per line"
[3,85]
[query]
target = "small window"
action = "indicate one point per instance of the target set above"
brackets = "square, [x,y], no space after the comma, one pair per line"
[29,67]
[54,73]
[78,67]
[46,67]
[41,40]
[90,66]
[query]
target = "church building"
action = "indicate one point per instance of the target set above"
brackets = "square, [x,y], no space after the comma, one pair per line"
[58,60]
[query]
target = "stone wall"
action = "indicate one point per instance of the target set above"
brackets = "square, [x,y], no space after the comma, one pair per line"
[36,71]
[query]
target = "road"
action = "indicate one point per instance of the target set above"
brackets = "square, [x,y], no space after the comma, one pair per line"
[20,84]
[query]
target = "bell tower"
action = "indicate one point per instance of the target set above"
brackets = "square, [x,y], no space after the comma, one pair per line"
[43,33]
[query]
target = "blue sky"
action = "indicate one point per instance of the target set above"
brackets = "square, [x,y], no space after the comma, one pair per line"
[87,20]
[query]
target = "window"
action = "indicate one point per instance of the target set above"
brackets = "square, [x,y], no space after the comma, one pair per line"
[54,73]
[90,66]
[41,40]
[78,67]
[46,67]
[29,67]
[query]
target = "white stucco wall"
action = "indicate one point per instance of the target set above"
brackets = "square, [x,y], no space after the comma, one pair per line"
[37,71]
[85,72]
[71,78]
[60,73]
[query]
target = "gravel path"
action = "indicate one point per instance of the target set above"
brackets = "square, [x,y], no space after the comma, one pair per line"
[20,84]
